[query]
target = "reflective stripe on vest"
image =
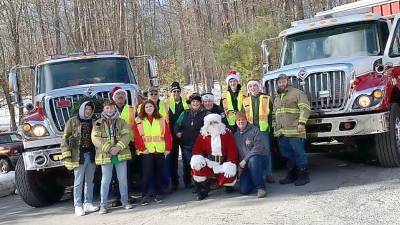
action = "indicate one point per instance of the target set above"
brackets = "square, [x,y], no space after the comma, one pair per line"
[229,110]
[152,134]
[171,101]
[263,111]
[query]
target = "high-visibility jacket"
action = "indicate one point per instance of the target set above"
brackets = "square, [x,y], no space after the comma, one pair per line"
[263,111]
[228,106]
[163,107]
[128,115]
[103,143]
[152,134]
[291,108]
[171,104]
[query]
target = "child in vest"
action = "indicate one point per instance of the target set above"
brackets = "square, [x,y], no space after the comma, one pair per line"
[153,141]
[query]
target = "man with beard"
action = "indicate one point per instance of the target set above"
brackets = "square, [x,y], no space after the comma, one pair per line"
[232,99]
[208,101]
[290,115]
[214,156]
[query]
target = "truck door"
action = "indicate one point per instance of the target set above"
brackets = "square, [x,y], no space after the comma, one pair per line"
[391,57]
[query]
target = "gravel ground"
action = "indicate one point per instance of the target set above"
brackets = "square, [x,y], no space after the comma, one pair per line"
[344,190]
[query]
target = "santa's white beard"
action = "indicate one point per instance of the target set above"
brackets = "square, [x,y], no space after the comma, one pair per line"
[213,130]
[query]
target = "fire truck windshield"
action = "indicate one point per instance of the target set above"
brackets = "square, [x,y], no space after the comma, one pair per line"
[356,39]
[84,71]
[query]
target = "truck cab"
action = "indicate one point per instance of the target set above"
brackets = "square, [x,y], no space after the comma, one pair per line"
[60,83]
[342,60]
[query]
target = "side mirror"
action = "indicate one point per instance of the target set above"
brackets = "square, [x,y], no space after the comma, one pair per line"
[265,56]
[153,72]
[13,87]
[29,107]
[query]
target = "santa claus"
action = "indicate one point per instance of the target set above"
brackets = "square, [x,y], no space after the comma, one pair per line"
[214,156]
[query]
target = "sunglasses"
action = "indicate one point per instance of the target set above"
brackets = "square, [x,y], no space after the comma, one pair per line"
[176,91]
[153,94]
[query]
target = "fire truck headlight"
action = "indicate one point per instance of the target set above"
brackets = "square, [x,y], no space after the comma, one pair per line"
[364,101]
[39,131]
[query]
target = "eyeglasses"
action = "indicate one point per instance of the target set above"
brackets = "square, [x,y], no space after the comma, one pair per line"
[153,94]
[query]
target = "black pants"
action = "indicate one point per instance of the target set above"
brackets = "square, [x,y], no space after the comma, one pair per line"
[174,162]
[152,165]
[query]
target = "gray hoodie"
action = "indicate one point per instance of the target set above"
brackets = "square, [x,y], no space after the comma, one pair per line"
[249,142]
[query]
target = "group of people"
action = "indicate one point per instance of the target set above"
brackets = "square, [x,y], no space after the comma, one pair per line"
[219,144]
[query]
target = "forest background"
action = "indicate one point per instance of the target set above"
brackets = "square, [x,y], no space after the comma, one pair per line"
[194,41]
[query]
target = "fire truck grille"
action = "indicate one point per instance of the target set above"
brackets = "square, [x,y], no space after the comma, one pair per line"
[61,115]
[325,91]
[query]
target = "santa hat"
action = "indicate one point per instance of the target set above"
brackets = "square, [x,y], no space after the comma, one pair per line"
[116,90]
[253,82]
[211,118]
[232,74]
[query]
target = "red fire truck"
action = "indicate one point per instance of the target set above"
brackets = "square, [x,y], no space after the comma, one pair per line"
[347,61]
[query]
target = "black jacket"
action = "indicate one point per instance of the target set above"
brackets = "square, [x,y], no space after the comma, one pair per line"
[189,124]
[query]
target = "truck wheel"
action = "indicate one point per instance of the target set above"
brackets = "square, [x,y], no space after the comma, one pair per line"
[5,165]
[37,188]
[388,143]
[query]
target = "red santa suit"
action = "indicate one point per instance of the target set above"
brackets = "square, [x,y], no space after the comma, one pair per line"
[214,154]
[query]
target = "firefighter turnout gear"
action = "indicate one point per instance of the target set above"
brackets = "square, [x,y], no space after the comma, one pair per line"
[103,142]
[291,108]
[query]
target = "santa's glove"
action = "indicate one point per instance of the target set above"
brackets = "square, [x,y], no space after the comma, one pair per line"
[197,162]
[216,167]
[229,169]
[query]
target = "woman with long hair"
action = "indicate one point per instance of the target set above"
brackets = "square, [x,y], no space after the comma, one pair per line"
[153,141]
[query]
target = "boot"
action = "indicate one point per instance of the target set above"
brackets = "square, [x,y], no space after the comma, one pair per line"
[302,177]
[290,177]
[202,190]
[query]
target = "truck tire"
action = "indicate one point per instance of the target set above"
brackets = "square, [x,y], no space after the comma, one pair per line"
[388,144]
[37,188]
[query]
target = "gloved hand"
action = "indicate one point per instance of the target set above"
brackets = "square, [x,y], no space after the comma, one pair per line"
[197,162]
[68,160]
[229,169]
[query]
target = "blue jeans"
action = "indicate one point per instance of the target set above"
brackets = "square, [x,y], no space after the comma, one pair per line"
[187,171]
[166,172]
[252,176]
[106,179]
[266,141]
[84,173]
[293,149]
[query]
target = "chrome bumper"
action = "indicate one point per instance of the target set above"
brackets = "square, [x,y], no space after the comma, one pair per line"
[364,125]
[47,156]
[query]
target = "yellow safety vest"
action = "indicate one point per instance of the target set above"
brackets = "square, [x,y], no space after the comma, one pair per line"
[163,108]
[128,115]
[152,134]
[228,107]
[171,101]
[263,111]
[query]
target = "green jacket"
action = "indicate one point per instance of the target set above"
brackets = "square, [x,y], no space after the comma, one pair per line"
[103,143]
[71,142]
[291,108]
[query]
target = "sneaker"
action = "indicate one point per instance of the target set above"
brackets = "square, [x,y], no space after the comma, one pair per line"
[145,201]
[89,207]
[102,210]
[261,193]
[127,206]
[79,211]
[158,198]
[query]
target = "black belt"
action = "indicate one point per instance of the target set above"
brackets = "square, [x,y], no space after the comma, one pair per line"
[217,158]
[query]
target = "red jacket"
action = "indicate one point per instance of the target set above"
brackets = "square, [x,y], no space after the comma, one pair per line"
[229,150]
[139,143]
